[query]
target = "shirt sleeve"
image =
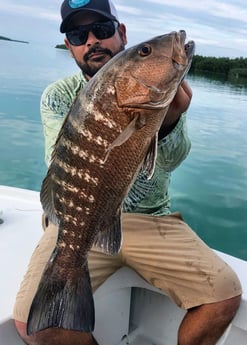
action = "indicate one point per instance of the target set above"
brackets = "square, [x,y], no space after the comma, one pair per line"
[56,102]
[150,196]
[174,148]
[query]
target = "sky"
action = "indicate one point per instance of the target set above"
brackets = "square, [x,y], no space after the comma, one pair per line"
[218,27]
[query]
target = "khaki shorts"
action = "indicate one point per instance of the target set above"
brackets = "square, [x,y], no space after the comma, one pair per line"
[163,250]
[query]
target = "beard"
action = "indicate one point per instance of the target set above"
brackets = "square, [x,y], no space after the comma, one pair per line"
[91,66]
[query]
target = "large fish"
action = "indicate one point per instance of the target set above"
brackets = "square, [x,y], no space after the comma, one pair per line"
[108,136]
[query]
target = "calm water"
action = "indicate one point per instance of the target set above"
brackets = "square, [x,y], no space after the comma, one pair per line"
[209,188]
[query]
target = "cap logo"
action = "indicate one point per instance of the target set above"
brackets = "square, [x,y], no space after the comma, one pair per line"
[78,3]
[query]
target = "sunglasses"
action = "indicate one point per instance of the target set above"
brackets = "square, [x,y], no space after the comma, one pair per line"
[101,31]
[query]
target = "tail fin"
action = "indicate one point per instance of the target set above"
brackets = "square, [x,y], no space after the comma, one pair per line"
[64,303]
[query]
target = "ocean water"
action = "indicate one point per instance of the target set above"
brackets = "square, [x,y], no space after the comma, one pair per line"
[210,186]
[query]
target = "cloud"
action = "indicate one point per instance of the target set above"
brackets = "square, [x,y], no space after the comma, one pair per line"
[212,7]
[128,9]
[18,9]
[213,24]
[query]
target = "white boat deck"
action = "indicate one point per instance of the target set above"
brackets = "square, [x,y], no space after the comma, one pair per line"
[128,310]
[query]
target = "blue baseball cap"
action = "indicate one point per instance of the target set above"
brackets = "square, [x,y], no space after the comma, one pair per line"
[71,7]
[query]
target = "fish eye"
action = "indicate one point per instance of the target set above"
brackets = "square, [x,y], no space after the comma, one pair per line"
[145,50]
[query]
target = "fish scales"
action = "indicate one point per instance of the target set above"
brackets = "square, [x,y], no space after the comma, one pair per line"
[109,134]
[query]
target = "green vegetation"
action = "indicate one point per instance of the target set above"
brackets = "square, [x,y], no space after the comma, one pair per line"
[230,68]
[61,46]
[234,68]
[9,39]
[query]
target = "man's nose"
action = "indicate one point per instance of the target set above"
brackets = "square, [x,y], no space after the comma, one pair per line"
[92,39]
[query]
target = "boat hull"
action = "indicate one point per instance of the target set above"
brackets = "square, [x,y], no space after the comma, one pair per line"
[128,309]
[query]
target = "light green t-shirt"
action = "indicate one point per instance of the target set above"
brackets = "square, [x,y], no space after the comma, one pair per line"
[145,196]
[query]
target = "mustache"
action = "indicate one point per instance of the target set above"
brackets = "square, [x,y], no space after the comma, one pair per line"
[95,49]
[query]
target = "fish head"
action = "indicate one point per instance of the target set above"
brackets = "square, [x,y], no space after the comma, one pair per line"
[151,72]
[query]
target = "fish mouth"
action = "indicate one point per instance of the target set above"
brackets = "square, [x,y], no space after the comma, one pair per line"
[182,52]
[189,47]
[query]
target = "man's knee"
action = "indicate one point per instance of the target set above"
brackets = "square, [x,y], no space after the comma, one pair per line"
[51,336]
[229,307]
[20,327]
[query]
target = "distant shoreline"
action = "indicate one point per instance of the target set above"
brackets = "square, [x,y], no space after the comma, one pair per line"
[9,39]
[235,68]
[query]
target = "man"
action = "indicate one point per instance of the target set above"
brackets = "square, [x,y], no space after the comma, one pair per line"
[156,243]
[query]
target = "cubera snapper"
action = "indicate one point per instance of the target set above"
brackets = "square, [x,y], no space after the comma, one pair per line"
[109,135]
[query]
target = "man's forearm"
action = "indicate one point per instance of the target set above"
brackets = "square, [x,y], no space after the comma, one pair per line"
[178,106]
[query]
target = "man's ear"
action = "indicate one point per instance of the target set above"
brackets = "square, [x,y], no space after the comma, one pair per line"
[67,44]
[122,33]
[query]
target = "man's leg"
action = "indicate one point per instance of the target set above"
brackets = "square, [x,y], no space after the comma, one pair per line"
[101,266]
[170,256]
[195,329]
[204,325]
[54,336]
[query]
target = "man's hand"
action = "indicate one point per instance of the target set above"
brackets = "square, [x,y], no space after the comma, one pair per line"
[179,105]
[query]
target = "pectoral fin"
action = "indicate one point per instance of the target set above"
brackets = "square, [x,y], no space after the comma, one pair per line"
[150,159]
[132,127]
